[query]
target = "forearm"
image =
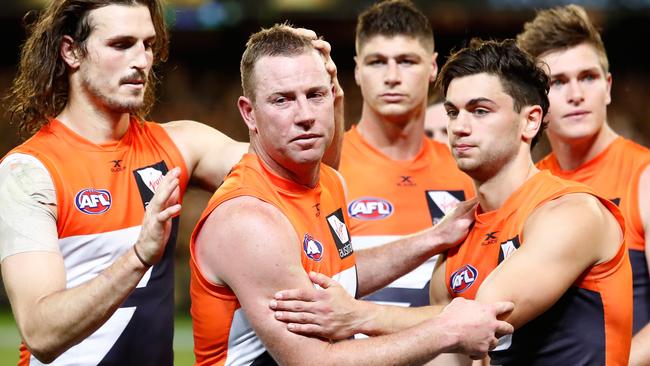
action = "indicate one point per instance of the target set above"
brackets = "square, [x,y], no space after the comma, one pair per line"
[379,266]
[62,319]
[640,351]
[386,319]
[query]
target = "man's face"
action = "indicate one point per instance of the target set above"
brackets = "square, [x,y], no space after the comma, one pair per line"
[435,123]
[394,75]
[484,129]
[293,110]
[579,93]
[114,72]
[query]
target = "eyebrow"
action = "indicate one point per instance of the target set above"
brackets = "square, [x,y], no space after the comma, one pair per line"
[379,54]
[589,69]
[471,102]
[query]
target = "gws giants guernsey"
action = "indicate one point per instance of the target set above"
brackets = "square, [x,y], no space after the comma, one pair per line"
[389,198]
[591,324]
[222,334]
[614,174]
[101,193]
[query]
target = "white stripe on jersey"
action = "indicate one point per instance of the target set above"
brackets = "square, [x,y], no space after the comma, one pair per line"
[85,256]
[92,350]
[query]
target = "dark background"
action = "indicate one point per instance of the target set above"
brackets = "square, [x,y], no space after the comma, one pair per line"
[201,79]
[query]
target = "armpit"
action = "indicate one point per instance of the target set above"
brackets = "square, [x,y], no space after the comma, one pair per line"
[27,207]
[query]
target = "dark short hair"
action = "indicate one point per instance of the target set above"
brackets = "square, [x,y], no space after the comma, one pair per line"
[520,77]
[392,18]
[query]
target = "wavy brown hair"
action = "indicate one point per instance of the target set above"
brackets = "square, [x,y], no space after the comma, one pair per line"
[40,90]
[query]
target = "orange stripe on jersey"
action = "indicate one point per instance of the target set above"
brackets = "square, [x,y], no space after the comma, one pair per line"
[67,157]
[391,197]
[614,174]
[592,319]
[221,331]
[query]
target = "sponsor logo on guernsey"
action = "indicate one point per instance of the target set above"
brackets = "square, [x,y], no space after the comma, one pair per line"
[508,247]
[463,278]
[370,208]
[313,248]
[340,233]
[441,202]
[148,179]
[490,238]
[93,201]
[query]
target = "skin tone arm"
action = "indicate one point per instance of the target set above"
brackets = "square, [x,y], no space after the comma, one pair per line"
[566,251]
[232,238]
[331,313]
[379,266]
[640,352]
[50,317]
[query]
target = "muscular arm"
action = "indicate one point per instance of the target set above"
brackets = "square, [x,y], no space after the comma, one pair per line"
[566,251]
[209,154]
[52,318]
[640,352]
[379,266]
[230,240]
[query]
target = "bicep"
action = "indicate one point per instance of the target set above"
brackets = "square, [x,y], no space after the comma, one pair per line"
[565,251]
[438,294]
[254,252]
[209,154]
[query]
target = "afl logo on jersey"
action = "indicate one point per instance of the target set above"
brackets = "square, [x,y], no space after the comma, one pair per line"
[463,278]
[93,201]
[370,208]
[313,248]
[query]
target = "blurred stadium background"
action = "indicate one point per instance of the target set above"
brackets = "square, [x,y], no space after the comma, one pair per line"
[201,79]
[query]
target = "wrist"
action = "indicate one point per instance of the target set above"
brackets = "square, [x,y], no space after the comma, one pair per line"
[142,261]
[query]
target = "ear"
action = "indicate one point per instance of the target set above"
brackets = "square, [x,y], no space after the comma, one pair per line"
[70,52]
[434,67]
[245,107]
[608,78]
[532,121]
[356,70]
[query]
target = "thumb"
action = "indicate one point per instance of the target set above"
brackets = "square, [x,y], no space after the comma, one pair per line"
[321,280]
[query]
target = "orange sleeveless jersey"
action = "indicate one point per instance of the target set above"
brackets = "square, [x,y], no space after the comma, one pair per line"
[388,199]
[591,324]
[101,193]
[222,334]
[614,174]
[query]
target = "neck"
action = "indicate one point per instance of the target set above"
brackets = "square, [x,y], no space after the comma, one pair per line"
[495,190]
[399,138]
[306,174]
[572,154]
[93,120]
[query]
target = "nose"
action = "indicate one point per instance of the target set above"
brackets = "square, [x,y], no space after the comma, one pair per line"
[392,76]
[575,93]
[459,125]
[304,115]
[142,56]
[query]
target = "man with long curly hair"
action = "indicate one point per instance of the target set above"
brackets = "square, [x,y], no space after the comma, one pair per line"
[90,281]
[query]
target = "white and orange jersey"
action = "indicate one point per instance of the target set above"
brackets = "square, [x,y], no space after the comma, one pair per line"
[389,198]
[222,334]
[102,190]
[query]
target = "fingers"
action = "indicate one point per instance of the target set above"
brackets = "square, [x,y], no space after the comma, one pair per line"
[165,190]
[504,328]
[321,280]
[293,317]
[306,329]
[169,212]
[293,306]
[299,294]
[502,307]
[302,32]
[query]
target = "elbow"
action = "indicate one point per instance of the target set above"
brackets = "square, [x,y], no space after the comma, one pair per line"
[43,346]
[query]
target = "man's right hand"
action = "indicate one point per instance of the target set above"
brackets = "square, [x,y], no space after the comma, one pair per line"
[474,326]
[156,225]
